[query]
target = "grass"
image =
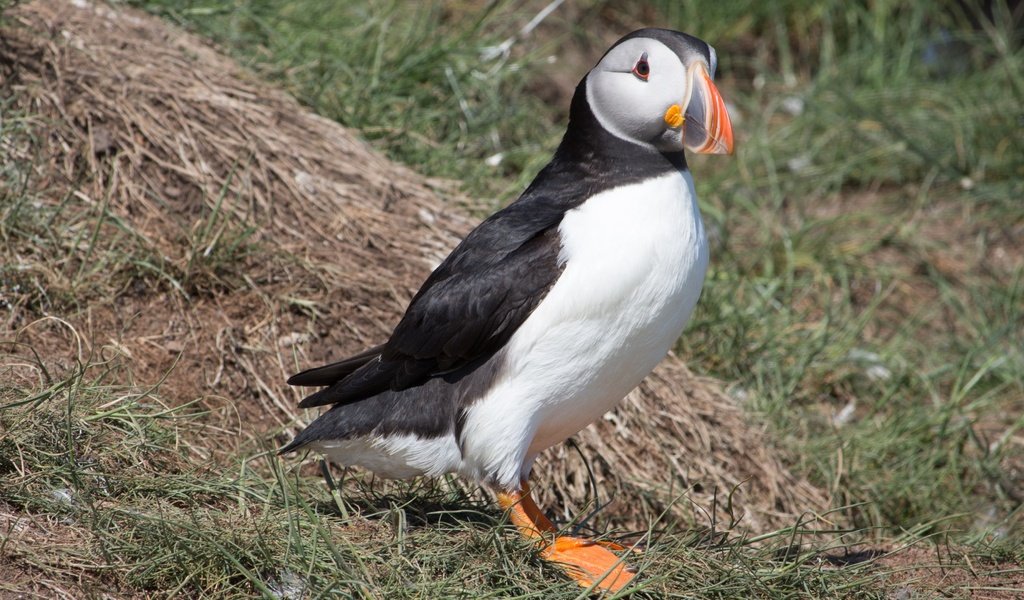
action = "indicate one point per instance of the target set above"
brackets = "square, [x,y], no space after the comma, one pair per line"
[125,481]
[409,77]
[866,301]
[855,202]
[61,256]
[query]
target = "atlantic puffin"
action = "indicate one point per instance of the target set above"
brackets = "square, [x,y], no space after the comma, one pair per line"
[552,309]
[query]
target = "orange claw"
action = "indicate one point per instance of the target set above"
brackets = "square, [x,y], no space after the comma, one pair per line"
[585,561]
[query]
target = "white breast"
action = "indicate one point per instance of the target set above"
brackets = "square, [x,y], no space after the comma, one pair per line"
[634,263]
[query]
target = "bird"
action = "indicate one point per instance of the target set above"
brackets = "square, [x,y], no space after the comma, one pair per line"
[552,309]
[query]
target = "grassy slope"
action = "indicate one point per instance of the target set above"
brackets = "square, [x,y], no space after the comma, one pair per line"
[847,276]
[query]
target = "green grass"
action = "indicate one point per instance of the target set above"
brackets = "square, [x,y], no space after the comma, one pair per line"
[406,75]
[879,156]
[807,297]
[127,484]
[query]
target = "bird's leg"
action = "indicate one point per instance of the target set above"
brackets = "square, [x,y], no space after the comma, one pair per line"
[583,560]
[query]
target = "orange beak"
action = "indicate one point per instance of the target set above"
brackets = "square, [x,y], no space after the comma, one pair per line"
[706,129]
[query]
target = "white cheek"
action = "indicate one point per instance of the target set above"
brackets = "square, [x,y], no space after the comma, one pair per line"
[627,107]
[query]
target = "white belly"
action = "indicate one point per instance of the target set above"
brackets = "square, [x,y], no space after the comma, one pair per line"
[635,259]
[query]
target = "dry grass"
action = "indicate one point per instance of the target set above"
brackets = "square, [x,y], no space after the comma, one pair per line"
[278,240]
[942,571]
[192,156]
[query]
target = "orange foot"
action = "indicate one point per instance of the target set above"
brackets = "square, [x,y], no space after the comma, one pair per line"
[585,561]
[588,563]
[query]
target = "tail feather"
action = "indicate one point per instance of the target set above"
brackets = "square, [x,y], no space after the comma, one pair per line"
[374,377]
[292,446]
[335,372]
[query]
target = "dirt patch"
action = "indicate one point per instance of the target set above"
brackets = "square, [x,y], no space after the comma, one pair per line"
[170,132]
[53,568]
[920,572]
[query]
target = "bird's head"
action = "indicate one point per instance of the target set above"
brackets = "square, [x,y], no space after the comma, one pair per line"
[655,87]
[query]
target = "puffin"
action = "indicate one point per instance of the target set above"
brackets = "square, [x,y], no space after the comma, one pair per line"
[552,309]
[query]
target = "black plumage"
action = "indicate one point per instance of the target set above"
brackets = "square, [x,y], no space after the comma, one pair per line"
[334,372]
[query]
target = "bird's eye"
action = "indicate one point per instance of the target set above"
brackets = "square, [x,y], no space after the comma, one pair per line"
[642,69]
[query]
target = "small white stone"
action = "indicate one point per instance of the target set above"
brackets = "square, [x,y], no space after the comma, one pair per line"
[495,159]
[845,414]
[794,105]
[878,373]
[305,181]
[798,164]
[290,339]
[863,355]
[426,217]
[876,369]
[63,496]
[288,586]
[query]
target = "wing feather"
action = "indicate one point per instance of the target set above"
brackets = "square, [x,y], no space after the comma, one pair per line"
[464,313]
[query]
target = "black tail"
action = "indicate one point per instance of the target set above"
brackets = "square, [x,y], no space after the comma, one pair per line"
[292,445]
[334,372]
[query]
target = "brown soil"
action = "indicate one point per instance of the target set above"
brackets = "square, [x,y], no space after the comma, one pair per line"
[49,571]
[154,119]
[938,572]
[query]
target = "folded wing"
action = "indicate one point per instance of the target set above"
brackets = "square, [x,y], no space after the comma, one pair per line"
[466,311]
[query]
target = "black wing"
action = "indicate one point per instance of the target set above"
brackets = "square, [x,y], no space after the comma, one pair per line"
[465,312]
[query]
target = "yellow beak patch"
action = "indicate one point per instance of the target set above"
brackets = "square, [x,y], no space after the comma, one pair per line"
[674,116]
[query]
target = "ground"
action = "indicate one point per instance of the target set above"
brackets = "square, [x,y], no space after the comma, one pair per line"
[179,236]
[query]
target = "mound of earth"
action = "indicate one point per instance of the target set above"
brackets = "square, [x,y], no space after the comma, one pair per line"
[281,241]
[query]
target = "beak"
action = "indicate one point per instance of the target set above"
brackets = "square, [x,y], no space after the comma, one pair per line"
[706,128]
